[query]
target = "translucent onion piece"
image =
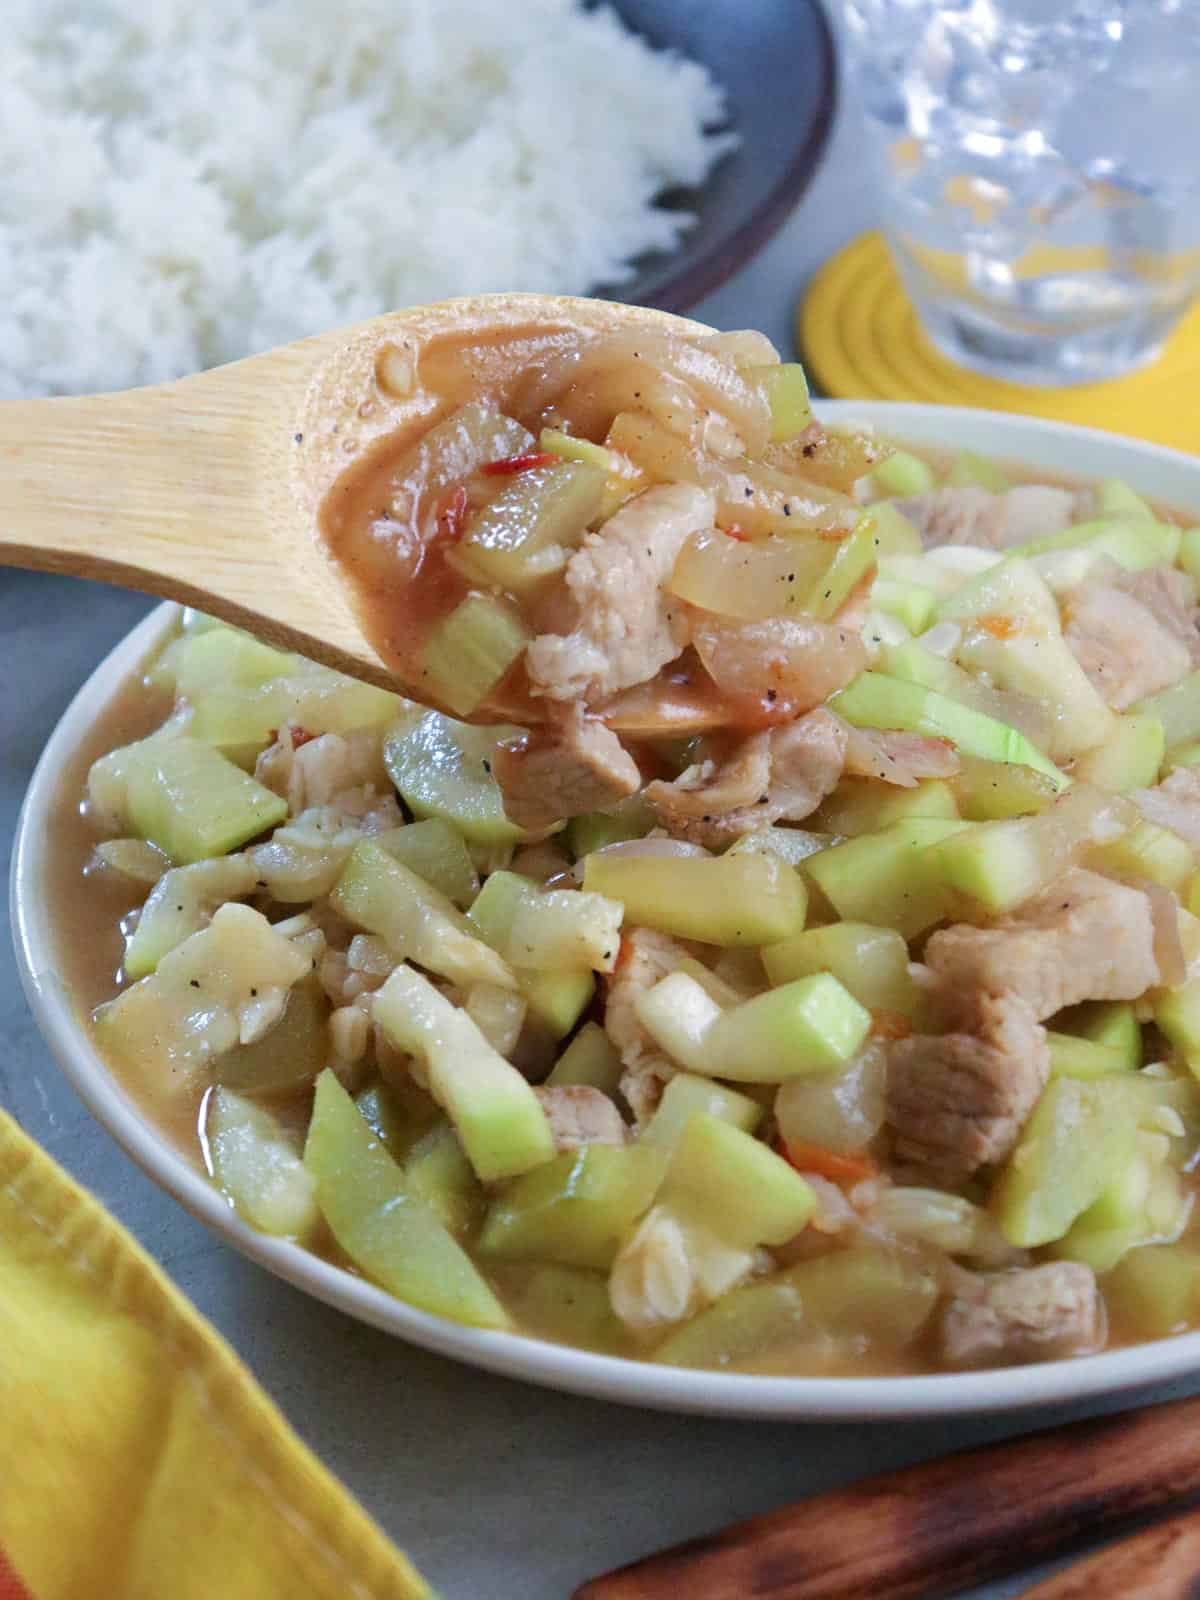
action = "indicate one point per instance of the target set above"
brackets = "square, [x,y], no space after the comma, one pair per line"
[946,1221]
[749,580]
[829,456]
[943,639]
[800,661]
[899,758]
[842,1111]
[657,373]
[742,347]
[1168,946]
[755,498]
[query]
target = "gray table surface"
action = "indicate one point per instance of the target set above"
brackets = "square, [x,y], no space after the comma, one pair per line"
[496,1489]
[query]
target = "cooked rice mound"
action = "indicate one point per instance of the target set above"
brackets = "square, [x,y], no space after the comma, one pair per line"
[181,185]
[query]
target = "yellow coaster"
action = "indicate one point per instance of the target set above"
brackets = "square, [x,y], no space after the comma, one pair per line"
[860,339]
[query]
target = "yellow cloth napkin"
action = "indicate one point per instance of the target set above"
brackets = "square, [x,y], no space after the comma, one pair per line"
[139,1460]
[861,340]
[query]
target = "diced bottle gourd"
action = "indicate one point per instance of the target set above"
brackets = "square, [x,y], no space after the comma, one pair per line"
[589,1061]
[257,1166]
[859,805]
[871,962]
[436,852]
[442,768]
[418,922]
[1129,758]
[808,1026]
[855,1295]
[887,876]
[181,903]
[1080,1134]
[190,1009]
[437,1170]
[746,899]
[496,1114]
[390,1234]
[470,651]
[556,999]
[687,1096]
[904,475]
[576,1208]
[185,797]
[291,1054]
[874,700]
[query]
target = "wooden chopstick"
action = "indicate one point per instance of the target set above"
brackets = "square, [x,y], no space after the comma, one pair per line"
[939,1527]
[1161,1563]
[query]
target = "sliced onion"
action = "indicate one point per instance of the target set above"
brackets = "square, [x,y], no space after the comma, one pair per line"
[841,1111]
[799,660]
[753,496]
[743,347]
[899,758]
[654,845]
[663,375]
[943,639]
[1168,946]
[751,581]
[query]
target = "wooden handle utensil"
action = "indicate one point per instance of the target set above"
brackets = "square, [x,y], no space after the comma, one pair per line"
[942,1526]
[208,490]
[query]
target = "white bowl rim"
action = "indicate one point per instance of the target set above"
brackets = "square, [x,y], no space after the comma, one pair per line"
[512,1355]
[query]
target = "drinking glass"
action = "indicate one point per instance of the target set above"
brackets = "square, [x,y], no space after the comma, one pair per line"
[1038,166]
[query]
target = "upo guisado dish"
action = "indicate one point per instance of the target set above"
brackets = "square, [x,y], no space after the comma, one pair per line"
[807,980]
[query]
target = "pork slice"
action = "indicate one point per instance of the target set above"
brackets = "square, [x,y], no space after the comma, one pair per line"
[1170,596]
[1174,804]
[780,776]
[579,1115]
[576,765]
[1084,938]
[646,957]
[332,768]
[970,515]
[626,626]
[1031,1314]
[1129,635]
[958,1101]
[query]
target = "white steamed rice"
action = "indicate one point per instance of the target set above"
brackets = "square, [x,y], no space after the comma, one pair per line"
[183,183]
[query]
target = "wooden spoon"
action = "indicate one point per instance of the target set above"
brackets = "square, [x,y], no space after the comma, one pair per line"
[943,1526]
[210,490]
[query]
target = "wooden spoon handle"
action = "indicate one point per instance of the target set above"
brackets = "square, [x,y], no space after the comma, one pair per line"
[1161,1563]
[939,1527]
[124,487]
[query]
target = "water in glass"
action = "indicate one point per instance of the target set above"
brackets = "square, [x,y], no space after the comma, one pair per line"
[1039,167]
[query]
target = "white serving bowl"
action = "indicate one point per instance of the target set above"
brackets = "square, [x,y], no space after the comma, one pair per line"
[1081,452]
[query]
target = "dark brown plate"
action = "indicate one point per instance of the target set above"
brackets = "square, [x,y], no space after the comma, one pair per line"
[775,60]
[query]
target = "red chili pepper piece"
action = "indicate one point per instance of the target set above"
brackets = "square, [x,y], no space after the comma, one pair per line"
[514,464]
[299,735]
[732,531]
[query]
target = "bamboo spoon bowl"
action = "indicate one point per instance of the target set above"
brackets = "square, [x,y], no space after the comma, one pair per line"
[210,490]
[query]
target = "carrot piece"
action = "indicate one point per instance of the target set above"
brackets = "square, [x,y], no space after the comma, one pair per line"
[1000,627]
[830,1164]
[890,1025]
